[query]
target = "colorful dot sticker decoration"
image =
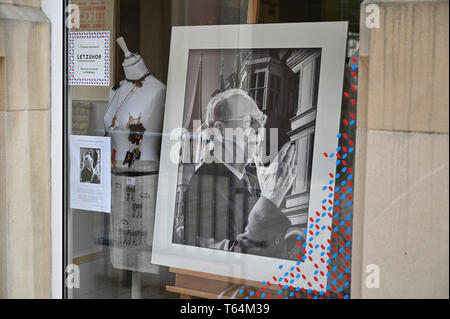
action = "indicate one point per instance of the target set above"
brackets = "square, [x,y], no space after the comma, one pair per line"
[340,245]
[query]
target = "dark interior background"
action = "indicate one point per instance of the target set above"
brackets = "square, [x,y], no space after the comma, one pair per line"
[147,24]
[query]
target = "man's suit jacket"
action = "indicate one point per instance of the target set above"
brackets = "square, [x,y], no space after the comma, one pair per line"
[224,212]
[86,175]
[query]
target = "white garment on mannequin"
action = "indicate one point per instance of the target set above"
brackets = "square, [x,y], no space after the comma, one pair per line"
[146,102]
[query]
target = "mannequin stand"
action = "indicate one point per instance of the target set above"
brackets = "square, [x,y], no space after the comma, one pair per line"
[136,285]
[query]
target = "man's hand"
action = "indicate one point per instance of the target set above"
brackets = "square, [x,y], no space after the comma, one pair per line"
[276,180]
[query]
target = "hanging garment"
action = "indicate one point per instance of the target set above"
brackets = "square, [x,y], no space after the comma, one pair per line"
[133,215]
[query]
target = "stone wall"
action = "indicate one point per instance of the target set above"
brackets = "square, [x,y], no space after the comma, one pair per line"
[401,191]
[25,247]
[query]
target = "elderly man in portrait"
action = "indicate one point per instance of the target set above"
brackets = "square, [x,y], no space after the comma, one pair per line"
[88,173]
[233,151]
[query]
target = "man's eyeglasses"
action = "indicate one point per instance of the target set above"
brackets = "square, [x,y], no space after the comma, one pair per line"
[252,121]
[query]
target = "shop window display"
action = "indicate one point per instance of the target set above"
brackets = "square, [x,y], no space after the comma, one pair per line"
[114,250]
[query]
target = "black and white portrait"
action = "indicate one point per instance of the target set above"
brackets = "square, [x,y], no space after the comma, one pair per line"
[247,150]
[90,173]
[243,181]
[90,168]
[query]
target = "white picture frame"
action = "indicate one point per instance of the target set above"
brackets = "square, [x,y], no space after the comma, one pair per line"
[331,38]
[90,191]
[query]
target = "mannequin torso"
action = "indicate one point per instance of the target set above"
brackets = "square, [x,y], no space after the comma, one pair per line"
[133,103]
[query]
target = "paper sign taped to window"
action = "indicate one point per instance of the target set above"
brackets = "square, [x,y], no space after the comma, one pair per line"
[89,58]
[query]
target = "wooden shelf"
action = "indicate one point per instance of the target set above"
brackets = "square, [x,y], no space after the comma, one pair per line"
[224,279]
[193,293]
[208,286]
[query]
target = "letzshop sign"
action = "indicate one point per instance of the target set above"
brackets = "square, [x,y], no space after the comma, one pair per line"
[87,57]
[89,54]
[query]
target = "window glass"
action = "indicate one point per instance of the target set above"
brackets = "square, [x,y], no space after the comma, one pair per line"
[113,250]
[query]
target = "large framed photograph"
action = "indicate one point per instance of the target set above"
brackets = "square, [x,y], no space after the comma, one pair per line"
[250,110]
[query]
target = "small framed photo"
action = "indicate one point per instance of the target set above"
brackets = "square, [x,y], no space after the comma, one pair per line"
[250,110]
[90,173]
